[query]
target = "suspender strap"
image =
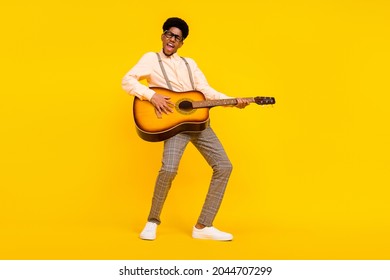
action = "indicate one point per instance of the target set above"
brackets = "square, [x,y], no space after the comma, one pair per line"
[189,73]
[165,73]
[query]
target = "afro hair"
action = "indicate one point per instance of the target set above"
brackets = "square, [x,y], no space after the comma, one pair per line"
[178,23]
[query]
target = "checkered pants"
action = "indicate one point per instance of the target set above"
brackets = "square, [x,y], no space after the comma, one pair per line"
[211,148]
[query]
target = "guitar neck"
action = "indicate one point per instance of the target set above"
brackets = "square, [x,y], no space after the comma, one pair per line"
[218,102]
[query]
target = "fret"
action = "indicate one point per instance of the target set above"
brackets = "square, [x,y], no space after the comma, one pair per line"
[218,102]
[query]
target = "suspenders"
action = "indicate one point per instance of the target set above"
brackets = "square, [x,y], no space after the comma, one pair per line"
[189,72]
[165,73]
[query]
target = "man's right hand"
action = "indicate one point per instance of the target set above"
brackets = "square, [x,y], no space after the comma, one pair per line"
[161,104]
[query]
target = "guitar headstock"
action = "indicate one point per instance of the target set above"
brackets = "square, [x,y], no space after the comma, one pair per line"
[260,100]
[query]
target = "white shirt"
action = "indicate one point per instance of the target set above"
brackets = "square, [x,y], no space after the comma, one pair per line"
[148,68]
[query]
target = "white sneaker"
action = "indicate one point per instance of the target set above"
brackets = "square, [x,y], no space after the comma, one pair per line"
[149,231]
[211,233]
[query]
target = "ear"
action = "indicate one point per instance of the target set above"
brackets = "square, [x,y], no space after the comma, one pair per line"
[180,44]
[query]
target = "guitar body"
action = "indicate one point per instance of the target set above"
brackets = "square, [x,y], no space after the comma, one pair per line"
[183,118]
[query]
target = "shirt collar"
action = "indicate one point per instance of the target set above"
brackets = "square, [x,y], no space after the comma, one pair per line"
[175,56]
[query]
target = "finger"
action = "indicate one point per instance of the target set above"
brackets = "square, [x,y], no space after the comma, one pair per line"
[164,110]
[158,113]
[170,106]
[167,107]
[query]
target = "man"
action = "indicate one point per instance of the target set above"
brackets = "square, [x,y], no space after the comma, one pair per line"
[168,70]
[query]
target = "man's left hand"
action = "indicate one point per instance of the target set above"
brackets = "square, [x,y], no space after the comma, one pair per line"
[242,103]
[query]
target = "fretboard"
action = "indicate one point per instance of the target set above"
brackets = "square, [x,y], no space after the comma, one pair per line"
[219,102]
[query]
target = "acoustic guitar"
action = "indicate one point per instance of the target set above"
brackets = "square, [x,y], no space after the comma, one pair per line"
[190,113]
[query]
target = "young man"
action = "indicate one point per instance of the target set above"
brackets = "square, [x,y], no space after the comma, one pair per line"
[168,70]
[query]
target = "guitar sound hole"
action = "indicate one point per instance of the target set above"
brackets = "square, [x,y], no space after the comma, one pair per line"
[185,106]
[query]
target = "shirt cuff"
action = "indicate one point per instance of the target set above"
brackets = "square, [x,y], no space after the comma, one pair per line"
[148,94]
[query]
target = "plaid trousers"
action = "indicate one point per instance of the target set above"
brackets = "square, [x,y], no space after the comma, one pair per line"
[211,149]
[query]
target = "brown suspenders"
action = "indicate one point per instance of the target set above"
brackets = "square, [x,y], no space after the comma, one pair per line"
[165,73]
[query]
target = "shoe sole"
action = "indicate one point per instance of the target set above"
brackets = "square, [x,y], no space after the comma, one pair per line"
[208,237]
[147,238]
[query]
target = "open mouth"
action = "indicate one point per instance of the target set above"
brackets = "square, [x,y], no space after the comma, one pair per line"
[170,46]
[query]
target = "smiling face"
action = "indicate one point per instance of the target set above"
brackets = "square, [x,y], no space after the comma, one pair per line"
[172,40]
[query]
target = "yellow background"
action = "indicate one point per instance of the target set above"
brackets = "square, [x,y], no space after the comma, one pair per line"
[311,174]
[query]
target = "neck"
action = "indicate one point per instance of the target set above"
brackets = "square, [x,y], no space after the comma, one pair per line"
[168,55]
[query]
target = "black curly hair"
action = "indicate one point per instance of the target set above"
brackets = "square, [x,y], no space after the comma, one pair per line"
[178,23]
